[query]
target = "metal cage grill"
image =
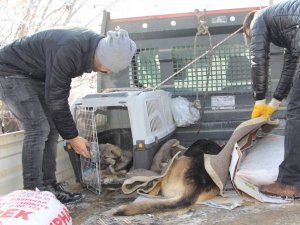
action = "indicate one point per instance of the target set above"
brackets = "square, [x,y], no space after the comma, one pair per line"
[230,69]
[90,168]
[146,68]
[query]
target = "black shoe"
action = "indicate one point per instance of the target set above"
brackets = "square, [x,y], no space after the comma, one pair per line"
[62,195]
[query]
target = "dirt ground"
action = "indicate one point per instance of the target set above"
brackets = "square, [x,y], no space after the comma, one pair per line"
[92,211]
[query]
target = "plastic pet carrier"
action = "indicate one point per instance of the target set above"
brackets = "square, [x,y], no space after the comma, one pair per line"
[125,129]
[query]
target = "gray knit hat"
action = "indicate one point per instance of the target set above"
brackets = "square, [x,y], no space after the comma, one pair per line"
[116,50]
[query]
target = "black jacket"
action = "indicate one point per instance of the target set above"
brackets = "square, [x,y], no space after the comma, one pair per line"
[54,57]
[278,24]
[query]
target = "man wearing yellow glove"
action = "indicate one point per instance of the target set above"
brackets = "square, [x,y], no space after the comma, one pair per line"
[278,24]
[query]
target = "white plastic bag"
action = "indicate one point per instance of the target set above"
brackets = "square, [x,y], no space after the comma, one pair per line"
[184,113]
[32,207]
[261,165]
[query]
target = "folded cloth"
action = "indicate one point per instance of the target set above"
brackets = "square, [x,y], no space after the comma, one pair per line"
[146,185]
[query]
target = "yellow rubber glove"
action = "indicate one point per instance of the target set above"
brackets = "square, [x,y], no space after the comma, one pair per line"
[258,109]
[272,107]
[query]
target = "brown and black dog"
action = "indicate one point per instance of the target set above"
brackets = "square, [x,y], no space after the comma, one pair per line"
[185,183]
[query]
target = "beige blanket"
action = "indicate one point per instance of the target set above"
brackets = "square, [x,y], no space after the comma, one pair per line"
[146,185]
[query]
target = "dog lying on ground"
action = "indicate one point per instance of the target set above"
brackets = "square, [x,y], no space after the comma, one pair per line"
[185,183]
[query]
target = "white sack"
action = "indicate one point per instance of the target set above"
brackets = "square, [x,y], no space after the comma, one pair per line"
[24,207]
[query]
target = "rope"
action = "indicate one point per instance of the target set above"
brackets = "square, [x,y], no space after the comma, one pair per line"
[196,59]
[202,29]
[200,105]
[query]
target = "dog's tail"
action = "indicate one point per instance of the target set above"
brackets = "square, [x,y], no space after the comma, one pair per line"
[183,203]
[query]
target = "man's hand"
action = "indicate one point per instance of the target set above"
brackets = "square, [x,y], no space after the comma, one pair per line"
[80,145]
[272,107]
[258,109]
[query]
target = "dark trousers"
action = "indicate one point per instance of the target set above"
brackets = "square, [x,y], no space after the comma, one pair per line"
[25,98]
[289,170]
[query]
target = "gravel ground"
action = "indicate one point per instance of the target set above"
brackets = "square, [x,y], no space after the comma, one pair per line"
[92,210]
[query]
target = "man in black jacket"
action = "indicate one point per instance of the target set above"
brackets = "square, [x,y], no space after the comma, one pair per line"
[35,78]
[278,24]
